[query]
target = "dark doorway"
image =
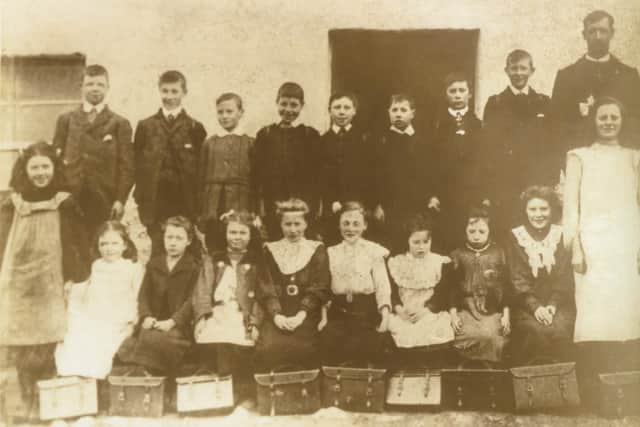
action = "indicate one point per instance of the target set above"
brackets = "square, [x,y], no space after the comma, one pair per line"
[376,63]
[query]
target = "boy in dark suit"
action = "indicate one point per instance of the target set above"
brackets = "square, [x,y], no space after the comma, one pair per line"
[167,146]
[347,157]
[455,156]
[403,169]
[515,141]
[596,74]
[95,146]
[285,160]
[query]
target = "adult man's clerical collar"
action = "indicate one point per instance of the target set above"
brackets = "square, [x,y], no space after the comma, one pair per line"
[605,58]
[523,91]
[336,129]
[461,112]
[87,107]
[409,130]
[174,113]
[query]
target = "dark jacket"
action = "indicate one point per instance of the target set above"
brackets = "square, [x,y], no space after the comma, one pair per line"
[348,167]
[575,84]
[516,142]
[167,294]
[155,140]
[98,156]
[249,273]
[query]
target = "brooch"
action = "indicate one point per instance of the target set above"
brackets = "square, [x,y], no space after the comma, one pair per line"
[292,290]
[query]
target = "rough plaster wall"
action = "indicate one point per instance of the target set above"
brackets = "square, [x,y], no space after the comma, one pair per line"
[253,46]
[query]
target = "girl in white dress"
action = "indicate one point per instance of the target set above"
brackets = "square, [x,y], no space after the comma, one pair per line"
[102,311]
[419,278]
[602,227]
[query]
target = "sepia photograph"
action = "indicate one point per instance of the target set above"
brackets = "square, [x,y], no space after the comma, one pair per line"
[325,213]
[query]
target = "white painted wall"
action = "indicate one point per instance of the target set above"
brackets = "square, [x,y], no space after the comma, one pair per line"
[252,46]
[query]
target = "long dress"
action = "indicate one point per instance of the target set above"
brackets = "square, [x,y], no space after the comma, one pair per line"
[602,213]
[97,326]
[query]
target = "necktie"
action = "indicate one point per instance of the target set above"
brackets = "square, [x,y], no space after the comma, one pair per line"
[91,115]
[170,118]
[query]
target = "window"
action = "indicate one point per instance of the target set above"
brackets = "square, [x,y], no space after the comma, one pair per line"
[34,91]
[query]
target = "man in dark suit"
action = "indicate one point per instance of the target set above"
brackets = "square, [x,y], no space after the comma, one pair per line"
[515,141]
[596,74]
[95,146]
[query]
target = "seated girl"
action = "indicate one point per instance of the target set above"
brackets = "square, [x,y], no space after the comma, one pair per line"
[542,279]
[358,313]
[479,314]
[164,304]
[96,326]
[419,280]
[226,313]
[296,286]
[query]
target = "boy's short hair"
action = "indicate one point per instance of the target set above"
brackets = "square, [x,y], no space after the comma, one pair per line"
[291,90]
[402,97]
[230,96]
[518,55]
[173,76]
[349,95]
[457,76]
[181,222]
[596,16]
[95,70]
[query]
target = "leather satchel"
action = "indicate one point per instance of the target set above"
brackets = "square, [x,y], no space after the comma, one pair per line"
[620,393]
[414,388]
[353,389]
[288,393]
[477,389]
[67,397]
[136,396]
[545,386]
[204,391]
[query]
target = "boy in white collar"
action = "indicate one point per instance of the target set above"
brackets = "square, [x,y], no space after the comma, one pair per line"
[456,160]
[225,167]
[516,141]
[403,171]
[167,145]
[94,144]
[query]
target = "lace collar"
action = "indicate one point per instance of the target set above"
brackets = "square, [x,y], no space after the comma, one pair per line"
[541,253]
[292,257]
[417,273]
[24,207]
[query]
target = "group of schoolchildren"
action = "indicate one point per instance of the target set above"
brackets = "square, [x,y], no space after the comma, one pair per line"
[213,293]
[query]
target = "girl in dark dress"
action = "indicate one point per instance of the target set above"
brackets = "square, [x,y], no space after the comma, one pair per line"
[542,279]
[297,287]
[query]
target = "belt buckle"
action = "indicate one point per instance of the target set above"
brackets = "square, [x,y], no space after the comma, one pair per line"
[292,290]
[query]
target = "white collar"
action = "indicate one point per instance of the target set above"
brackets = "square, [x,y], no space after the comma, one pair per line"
[238,131]
[541,253]
[524,91]
[336,129]
[462,111]
[294,124]
[409,130]
[605,58]
[292,257]
[173,112]
[87,107]
[417,273]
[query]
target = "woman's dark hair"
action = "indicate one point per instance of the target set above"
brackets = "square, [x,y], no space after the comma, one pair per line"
[217,231]
[20,182]
[607,100]
[540,192]
[130,251]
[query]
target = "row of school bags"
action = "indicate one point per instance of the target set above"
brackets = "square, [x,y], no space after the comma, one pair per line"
[289,392]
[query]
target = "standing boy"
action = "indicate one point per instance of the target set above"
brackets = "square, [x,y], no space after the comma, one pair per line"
[167,145]
[515,141]
[455,154]
[403,172]
[225,165]
[348,162]
[285,161]
[95,146]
